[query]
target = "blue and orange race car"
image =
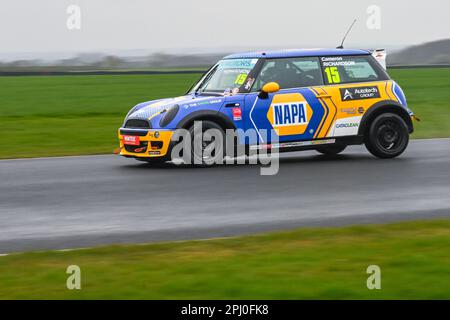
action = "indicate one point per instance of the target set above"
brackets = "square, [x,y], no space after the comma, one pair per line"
[321,99]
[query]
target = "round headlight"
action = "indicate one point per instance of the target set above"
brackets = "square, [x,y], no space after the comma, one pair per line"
[169,115]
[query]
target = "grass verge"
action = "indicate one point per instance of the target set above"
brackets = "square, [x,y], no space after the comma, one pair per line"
[314,263]
[428,95]
[74,115]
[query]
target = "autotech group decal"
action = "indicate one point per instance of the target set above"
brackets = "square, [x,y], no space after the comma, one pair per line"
[359,93]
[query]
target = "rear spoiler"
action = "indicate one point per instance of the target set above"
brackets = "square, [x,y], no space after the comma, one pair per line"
[380,56]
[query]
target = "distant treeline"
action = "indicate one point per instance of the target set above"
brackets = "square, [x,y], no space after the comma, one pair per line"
[98,62]
[95,73]
[432,54]
[152,72]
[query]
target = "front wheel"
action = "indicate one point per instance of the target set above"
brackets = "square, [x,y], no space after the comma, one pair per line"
[388,136]
[207,143]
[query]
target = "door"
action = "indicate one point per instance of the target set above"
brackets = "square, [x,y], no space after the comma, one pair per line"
[297,112]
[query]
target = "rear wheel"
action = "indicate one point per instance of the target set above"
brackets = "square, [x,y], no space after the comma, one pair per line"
[388,136]
[207,144]
[331,150]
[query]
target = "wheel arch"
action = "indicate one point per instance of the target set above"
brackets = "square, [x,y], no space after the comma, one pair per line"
[218,117]
[384,107]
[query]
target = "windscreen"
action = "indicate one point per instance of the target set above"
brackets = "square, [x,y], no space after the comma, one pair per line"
[227,76]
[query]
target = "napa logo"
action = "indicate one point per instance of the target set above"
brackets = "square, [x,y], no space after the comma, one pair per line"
[289,114]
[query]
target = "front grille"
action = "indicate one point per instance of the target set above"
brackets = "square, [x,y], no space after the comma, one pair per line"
[137,124]
[142,148]
[156,144]
[133,133]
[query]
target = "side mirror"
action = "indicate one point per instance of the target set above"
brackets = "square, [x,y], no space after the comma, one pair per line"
[269,88]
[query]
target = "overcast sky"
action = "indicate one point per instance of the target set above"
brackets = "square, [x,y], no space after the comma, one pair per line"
[211,25]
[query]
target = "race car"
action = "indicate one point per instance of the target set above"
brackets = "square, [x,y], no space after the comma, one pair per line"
[320,99]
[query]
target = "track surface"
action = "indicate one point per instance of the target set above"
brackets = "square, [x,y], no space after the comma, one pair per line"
[56,203]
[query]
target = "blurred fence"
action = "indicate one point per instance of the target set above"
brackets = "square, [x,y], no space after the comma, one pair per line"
[94,73]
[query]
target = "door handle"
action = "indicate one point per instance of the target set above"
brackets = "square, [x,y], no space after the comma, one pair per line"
[322,96]
[232,105]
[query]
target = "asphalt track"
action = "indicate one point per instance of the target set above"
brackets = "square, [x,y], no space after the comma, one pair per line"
[73,202]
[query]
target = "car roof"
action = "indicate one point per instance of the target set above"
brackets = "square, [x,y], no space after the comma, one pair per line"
[290,53]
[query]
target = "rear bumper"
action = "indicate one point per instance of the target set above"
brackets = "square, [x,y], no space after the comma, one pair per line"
[153,143]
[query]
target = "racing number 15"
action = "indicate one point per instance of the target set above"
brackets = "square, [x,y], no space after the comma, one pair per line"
[333,75]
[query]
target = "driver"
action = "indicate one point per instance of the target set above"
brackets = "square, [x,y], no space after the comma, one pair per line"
[282,73]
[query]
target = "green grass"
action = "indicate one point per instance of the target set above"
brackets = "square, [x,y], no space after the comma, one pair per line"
[323,263]
[73,115]
[428,95]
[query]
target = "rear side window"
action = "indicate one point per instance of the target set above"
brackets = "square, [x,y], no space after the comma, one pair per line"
[290,73]
[349,69]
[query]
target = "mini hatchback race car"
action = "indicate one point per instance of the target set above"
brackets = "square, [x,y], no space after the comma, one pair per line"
[320,99]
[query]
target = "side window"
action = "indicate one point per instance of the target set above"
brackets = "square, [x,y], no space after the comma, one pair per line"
[290,73]
[350,69]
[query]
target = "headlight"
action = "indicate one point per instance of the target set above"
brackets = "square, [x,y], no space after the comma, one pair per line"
[169,115]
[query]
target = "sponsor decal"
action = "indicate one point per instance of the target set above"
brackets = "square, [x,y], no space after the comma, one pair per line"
[286,114]
[292,144]
[359,93]
[289,114]
[131,140]
[237,114]
[202,103]
[347,95]
[349,110]
[238,63]
[319,142]
[249,83]
[347,125]
[138,150]
[154,153]
[336,61]
[192,105]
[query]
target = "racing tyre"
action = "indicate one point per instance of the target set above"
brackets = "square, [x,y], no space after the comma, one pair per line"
[388,136]
[331,150]
[207,144]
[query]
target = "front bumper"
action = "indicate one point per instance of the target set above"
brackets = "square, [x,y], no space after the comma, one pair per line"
[153,143]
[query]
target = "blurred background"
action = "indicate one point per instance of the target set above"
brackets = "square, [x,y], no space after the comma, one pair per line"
[140,34]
